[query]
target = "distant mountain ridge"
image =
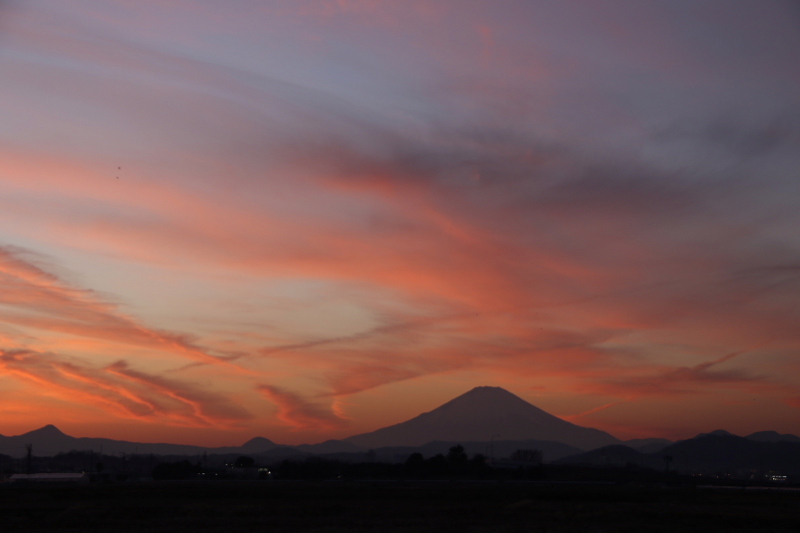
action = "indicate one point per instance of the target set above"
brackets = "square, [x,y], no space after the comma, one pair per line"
[485,419]
[482,414]
[647,445]
[49,440]
[710,453]
[772,436]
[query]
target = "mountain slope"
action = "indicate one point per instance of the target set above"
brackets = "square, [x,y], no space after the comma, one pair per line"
[647,445]
[608,456]
[482,414]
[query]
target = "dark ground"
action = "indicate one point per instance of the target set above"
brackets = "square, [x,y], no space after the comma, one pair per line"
[289,506]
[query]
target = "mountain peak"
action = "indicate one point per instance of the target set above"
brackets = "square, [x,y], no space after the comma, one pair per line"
[484,389]
[258,441]
[48,431]
[488,392]
[716,433]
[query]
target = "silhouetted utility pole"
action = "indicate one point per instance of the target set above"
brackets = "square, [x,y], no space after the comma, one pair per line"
[29,460]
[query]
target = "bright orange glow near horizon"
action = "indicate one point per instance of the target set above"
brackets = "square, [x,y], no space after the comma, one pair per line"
[306,220]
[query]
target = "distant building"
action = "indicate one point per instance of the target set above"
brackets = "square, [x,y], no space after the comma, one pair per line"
[50,477]
[527,456]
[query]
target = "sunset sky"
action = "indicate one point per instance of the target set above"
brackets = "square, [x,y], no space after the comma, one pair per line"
[307,219]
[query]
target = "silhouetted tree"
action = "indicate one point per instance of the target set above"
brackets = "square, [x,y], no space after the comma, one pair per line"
[478,466]
[415,465]
[479,461]
[457,459]
[436,466]
[244,461]
[415,459]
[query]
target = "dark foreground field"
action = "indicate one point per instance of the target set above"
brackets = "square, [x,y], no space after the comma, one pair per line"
[392,507]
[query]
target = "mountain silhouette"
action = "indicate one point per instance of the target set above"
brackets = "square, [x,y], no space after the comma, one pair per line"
[49,433]
[484,414]
[647,445]
[330,446]
[487,420]
[614,455]
[716,433]
[718,452]
[49,441]
[772,436]
[708,453]
[254,445]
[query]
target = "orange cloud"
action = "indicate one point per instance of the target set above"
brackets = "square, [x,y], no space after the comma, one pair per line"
[206,406]
[793,401]
[300,413]
[36,299]
[122,391]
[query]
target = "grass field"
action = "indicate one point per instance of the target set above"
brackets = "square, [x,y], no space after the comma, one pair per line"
[288,506]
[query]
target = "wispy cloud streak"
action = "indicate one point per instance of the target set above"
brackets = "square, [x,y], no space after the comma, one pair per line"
[299,412]
[34,298]
[122,391]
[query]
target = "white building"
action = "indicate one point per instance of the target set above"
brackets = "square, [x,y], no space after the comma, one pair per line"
[50,477]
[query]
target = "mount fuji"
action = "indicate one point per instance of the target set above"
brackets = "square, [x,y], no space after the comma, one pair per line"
[482,414]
